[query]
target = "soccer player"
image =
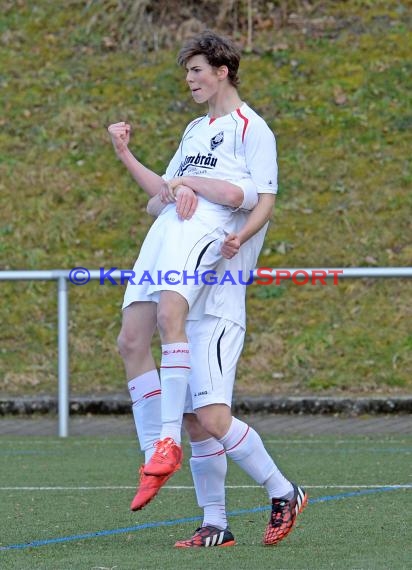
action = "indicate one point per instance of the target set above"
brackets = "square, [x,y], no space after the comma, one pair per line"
[219,153]
[217,341]
[134,344]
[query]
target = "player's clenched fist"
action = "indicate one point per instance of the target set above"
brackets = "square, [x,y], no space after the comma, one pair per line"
[120,135]
[230,246]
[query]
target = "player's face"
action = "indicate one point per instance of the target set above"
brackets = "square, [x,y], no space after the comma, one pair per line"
[202,78]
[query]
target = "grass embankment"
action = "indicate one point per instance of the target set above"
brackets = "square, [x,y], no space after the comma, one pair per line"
[339,101]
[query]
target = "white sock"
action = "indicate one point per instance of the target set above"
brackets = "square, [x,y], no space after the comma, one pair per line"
[208,465]
[145,393]
[174,374]
[245,447]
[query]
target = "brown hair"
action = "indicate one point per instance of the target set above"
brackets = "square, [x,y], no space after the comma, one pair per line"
[216,49]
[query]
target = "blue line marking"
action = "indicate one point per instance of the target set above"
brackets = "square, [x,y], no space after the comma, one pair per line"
[158,524]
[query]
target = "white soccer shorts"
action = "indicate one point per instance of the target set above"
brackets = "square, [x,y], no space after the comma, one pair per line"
[215,347]
[175,256]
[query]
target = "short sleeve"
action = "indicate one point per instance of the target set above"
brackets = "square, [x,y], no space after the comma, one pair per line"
[261,157]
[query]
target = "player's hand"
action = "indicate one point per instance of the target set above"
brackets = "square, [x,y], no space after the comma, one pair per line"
[230,246]
[120,135]
[168,190]
[167,193]
[186,202]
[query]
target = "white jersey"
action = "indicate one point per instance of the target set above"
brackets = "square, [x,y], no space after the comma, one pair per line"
[238,147]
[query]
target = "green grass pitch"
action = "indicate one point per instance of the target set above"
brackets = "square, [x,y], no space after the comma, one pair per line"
[65,506]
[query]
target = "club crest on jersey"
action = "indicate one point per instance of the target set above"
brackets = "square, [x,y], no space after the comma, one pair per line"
[216,140]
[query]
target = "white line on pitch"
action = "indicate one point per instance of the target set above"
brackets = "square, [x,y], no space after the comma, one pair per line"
[306,441]
[190,487]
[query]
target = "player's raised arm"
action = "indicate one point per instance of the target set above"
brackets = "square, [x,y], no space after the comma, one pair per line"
[148,180]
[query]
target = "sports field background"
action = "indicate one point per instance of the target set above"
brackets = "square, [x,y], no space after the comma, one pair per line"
[64,506]
[334,84]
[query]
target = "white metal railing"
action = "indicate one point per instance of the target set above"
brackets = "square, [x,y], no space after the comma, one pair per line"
[62,277]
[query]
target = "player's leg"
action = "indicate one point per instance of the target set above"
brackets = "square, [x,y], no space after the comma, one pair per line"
[191,250]
[244,446]
[208,466]
[212,397]
[208,462]
[174,373]
[193,253]
[135,337]
[134,343]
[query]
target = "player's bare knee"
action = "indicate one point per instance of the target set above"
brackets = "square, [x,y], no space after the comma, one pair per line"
[212,426]
[171,325]
[129,344]
[172,311]
[123,344]
[215,419]
[194,430]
